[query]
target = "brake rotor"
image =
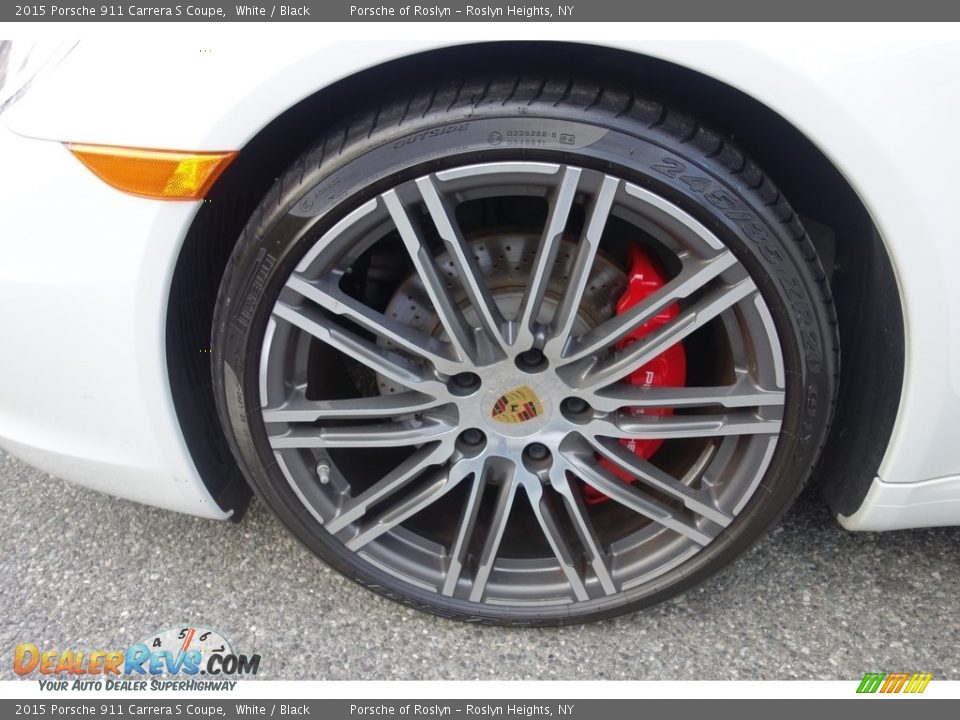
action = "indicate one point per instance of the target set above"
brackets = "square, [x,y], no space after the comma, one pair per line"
[506,263]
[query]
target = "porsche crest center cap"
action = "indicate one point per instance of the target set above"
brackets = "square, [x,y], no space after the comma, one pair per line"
[517,406]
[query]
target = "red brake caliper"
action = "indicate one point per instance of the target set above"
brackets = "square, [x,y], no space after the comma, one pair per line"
[669,369]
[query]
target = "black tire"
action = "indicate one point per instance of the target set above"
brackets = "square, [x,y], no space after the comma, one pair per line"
[565,121]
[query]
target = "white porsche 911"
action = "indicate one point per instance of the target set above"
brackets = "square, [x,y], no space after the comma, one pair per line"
[524,332]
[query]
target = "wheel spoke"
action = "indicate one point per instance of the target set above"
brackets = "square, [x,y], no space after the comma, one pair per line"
[379,359]
[668,427]
[390,483]
[458,330]
[443,480]
[501,514]
[331,298]
[554,535]
[400,434]
[561,201]
[694,275]
[744,393]
[698,501]
[589,375]
[442,214]
[577,509]
[465,529]
[629,496]
[566,312]
[301,409]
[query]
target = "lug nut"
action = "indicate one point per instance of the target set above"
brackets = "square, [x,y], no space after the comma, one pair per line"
[532,357]
[532,360]
[575,405]
[537,451]
[472,436]
[464,383]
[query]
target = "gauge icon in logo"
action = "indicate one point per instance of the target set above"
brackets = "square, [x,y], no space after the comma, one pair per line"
[178,641]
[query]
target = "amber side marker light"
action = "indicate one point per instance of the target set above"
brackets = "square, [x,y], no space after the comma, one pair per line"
[156,174]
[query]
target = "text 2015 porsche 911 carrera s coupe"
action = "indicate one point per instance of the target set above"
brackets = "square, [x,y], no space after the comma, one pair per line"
[524,332]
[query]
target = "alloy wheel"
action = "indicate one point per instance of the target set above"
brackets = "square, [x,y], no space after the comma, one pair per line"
[442,390]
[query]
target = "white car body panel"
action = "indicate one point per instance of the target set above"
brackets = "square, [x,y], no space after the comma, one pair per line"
[86,397]
[898,506]
[111,404]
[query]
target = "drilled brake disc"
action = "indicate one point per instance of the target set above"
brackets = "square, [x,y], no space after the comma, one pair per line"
[506,262]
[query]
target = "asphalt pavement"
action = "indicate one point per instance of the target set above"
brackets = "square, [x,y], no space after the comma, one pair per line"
[810,601]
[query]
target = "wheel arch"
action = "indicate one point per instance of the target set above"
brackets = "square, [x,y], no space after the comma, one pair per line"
[862,276]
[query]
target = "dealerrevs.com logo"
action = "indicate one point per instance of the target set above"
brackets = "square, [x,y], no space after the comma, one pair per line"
[179,658]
